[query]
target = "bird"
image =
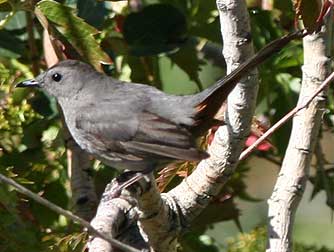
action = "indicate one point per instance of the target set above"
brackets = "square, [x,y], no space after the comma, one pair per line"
[126,125]
[133,126]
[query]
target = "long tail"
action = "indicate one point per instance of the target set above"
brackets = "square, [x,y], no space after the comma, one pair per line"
[211,99]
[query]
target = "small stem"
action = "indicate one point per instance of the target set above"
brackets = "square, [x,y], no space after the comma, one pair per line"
[284,119]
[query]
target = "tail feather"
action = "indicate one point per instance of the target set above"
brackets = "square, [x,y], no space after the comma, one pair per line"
[211,99]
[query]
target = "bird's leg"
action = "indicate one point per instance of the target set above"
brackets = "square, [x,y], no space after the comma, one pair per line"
[129,178]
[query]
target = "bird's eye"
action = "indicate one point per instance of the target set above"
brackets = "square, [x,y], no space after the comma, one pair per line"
[56,77]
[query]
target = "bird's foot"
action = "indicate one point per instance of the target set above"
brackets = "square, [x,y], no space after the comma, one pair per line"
[126,179]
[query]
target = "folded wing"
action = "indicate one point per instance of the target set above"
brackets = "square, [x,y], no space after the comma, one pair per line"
[135,135]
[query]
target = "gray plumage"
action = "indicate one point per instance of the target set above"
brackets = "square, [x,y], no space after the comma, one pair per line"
[135,126]
[126,125]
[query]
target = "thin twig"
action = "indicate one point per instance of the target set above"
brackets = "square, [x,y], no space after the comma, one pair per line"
[284,119]
[67,214]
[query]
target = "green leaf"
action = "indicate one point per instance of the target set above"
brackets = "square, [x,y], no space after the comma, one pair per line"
[79,34]
[5,6]
[92,11]
[264,27]
[17,21]
[56,193]
[253,241]
[289,57]
[10,45]
[43,104]
[156,29]
[7,11]
[116,44]
[284,12]
[138,69]
[32,134]
[205,21]
[72,243]
[187,59]
[194,242]
[4,74]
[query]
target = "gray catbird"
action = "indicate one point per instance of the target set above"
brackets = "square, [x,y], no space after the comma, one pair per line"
[134,126]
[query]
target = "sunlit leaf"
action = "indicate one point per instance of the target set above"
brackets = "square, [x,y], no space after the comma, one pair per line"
[205,21]
[75,30]
[7,11]
[4,73]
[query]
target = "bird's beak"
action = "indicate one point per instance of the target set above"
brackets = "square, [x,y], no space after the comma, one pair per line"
[28,83]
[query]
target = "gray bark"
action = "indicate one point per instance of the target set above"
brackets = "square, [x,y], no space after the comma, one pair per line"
[294,172]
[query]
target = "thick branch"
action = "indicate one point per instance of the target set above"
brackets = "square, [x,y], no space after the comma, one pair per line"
[293,175]
[116,217]
[80,169]
[159,219]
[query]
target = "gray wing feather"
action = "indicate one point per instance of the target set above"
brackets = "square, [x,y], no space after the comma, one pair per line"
[135,134]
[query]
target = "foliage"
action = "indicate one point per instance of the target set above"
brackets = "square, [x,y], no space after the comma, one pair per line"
[166,44]
[256,241]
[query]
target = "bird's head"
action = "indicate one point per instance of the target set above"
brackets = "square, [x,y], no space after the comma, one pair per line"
[63,80]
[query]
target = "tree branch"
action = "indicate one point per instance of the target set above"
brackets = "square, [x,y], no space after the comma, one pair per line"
[117,217]
[80,169]
[294,172]
[159,219]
